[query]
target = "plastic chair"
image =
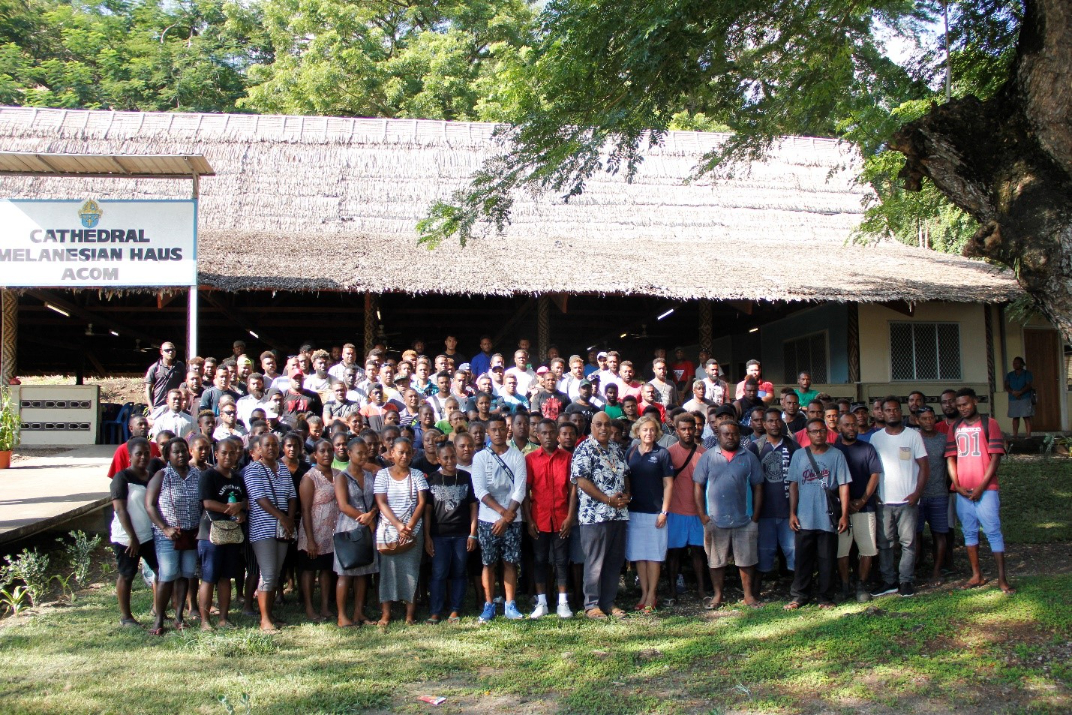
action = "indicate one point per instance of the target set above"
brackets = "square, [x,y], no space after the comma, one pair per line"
[117,431]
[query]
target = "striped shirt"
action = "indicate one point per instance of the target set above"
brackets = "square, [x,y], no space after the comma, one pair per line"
[277,488]
[179,500]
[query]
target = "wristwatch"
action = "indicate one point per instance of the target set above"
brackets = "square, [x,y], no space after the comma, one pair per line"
[663,513]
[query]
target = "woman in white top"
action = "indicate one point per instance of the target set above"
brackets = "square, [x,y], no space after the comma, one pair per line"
[400,496]
[132,530]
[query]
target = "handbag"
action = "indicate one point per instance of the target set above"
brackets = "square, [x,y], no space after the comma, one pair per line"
[397,546]
[281,533]
[224,532]
[833,497]
[187,540]
[354,548]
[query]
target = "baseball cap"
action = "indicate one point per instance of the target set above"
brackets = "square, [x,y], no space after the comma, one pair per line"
[464,366]
[295,372]
[543,370]
[726,410]
[859,406]
[600,355]
[585,383]
[500,368]
[245,360]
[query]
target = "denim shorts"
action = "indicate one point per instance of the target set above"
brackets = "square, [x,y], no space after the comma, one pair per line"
[173,564]
[219,563]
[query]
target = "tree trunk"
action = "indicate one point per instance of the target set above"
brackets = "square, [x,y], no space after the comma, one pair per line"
[1008,162]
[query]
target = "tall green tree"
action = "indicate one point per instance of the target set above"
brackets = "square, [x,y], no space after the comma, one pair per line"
[388,58]
[146,55]
[606,79]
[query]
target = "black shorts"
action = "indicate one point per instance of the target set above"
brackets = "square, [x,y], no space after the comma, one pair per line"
[323,562]
[127,565]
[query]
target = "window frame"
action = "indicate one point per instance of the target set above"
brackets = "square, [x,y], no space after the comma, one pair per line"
[915,366]
[825,333]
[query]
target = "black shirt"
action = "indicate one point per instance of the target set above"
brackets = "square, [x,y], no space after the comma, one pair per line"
[213,486]
[797,423]
[550,404]
[163,380]
[451,499]
[424,465]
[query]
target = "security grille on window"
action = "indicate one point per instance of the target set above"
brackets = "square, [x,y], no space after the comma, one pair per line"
[807,353]
[925,351]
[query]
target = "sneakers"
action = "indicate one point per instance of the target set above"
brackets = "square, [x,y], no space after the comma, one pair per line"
[884,590]
[564,611]
[511,611]
[539,612]
[488,613]
[680,585]
[906,590]
[862,596]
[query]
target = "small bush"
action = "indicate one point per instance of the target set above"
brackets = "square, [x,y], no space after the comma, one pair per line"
[30,567]
[80,554]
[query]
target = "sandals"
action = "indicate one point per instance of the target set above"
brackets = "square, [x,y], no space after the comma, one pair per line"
[157,631]
[129,623]
[710,604]
[793,605]
[454,619]
[432,620]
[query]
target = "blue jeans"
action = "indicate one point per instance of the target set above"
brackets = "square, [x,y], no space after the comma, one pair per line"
[449,563]
[774,532]
[983,513]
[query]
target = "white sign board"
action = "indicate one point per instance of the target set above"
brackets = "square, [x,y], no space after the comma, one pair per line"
[91,243]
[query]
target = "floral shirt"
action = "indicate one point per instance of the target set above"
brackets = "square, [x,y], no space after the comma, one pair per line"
[607,469]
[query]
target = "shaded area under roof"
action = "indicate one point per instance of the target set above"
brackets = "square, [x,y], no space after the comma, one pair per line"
[325,203]
[128,166]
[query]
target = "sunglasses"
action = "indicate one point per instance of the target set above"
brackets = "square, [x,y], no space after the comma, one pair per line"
[229,412]
[168,350]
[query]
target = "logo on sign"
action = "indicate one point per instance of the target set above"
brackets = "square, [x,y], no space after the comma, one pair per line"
[90,214]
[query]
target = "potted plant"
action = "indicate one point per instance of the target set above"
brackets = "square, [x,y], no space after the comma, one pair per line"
[9,426]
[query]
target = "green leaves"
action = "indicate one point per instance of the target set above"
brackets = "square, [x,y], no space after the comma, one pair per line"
[390,59]
[187,56]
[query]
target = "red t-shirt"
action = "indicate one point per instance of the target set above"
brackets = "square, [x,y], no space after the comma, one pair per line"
[121,460]
[683,372]
[549,484]
[681,498]
[973,456]
[802,439]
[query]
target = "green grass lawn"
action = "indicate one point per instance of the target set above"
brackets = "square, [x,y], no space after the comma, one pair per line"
[945,650]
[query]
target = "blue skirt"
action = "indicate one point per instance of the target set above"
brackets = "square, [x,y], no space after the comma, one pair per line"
[643,541]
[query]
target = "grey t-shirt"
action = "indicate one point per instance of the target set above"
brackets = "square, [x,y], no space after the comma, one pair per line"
[938,480]
[811,487]
[728,485]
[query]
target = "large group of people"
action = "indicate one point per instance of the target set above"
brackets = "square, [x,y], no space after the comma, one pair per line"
[425,472]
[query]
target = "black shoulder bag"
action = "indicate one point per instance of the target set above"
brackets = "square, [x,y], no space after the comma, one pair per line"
[354,548]
[833,496]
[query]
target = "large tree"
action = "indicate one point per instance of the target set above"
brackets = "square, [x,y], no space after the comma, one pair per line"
[607,78]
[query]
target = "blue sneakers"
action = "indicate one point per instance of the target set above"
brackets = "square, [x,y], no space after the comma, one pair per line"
[488,613]
[511,611]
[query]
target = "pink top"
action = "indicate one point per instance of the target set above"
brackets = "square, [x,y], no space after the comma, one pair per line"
[325,512]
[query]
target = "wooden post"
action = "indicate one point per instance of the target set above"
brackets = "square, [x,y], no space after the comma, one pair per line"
[370,322]
[853,329]
[705,325]
[988,323]
[543,326]
[9,335]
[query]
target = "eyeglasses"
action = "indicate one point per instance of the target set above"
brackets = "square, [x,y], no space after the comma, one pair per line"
[228,412]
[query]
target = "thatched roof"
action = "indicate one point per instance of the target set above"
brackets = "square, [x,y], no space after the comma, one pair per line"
[318,203]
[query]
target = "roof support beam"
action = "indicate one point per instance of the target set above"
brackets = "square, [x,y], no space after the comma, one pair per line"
[241,320]
[91,317]
[509,324]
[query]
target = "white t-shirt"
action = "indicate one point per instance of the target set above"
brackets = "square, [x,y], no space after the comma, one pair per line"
[524,379]
[900,471]
[490,478]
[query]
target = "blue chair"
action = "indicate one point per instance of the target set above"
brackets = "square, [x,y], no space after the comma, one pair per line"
[116,431]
